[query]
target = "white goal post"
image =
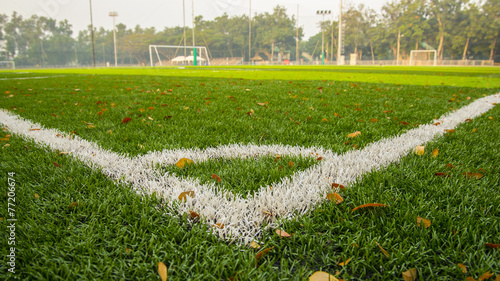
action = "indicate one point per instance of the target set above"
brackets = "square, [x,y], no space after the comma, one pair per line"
[7,64]
[163,55]
[423,57]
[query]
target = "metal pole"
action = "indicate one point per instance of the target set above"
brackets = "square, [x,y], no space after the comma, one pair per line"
[323,43]
[114,14]
[192,9]
[397,54]
[92,31]
[297,57]
[339,50]
[250,30]
[184,22]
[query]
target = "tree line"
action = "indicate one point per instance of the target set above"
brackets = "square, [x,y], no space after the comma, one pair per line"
[456,29]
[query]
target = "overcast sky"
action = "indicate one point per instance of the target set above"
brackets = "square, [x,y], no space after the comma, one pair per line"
[161,13]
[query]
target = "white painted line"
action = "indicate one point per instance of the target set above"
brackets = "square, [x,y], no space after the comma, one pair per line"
[32,77]
[243,217]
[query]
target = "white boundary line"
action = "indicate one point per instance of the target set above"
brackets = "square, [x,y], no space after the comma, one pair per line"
[31,77]
[243,217]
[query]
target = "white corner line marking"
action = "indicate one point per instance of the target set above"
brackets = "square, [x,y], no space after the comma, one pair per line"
[243,217]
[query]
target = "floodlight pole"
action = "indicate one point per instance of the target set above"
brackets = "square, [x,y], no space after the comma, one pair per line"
[195,62]
[184,22]
[297,56]
[114,14]
[323,13]
[339,50]
[92,31]
[250,31]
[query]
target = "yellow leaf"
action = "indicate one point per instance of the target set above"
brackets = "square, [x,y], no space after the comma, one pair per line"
[474,130]
[324,120]
[470,279]
[218,225]
[435,152]
[485,276]
[142,109]
[491,118]
[254,245]
[382,249]
[260,254]
[355,134]
[335,197]
[282,233]
[193,214]
[64,152]
[463,267]
[311,108]
[427,223]
[419,150]
[410,275]
[36,196]
[183,162]
[345,262]
[290,164]
[369,205]
[162,270]
[322,276]
[186,107]
[183,195]
[473,175]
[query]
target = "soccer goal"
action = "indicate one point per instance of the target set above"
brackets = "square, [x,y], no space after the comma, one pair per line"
[423,57]
[7,65]
[164,55]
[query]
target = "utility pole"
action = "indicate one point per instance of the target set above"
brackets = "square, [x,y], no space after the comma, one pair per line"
[92,31]
[195,61]
[297,56]
[250,31]
[323,13]
[184,22]
[114,14]
[399,40]
[339,50]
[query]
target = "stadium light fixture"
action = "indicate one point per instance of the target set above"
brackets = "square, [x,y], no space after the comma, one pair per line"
[114,15]
[323,13]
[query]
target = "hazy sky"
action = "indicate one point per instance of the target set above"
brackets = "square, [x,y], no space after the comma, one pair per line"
[161,13]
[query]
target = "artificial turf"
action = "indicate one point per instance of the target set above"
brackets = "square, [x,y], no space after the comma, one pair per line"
[114,234]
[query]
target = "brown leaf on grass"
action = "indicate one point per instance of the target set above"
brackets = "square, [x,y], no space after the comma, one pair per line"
[262,103]
[260,254]
[420,150]
[485,276]
[335,197]
[383,250]
[184,194]
[193,214]
[374,120]
[217,178]
[219,225]
[426,222]
[184,162]
[493,246]
[344,263]
[254,245]
[322,276]
[337,115]
[162,270]
[441,174]
[72,205]
[470,278]
[290,164]
[369,205]
[126,120]
[282,233]
[334,185]
[437,123]
[319,159]
[37,196]
[435,152]
[151,108]
[475,176]
[404,123]
[35,129]
[57,165]
[410,275]
[462,267]
[324,120]
[355,134]
[449,130]
[449,166]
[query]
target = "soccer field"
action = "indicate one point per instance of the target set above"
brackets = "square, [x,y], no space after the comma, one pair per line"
[91,157]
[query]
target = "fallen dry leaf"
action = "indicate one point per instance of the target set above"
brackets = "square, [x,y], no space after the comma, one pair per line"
[337,185]
[57,165]
[219,225]
[345,262]
[183,162]
[475,176]
[254,245]
[449,130]
[420,150]
[162,270]
[383,250]
[183,195]
[485,276]
[322,276]
[260,254]
[72,205]
[369,205]
[474,130]
[441,174]
[493,246]
[355,134]
[374,120]
[216,177]
[435,152]
[126,120]
[282,233]
[335,197]
[36,196]
[290,164]
[193,214]
[463,267]
[410,275]
[427,223]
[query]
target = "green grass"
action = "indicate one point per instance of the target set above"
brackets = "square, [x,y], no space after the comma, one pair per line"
[114,234]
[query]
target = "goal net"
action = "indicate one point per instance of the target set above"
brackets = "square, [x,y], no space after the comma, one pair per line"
[167,55]
[7,65]
[423,57]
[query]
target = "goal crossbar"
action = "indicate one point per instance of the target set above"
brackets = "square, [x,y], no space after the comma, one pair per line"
[201,54]
[414,54]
